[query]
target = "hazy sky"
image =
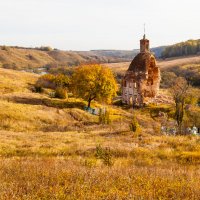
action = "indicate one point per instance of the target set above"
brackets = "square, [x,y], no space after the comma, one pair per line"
[97,24]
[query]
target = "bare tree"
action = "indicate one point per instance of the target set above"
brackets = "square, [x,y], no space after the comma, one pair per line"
[179,91]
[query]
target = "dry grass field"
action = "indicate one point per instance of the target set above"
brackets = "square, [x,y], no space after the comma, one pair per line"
[53,149]
[69,165]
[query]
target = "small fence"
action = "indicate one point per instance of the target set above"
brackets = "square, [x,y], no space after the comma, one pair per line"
[172,130]
[94,111]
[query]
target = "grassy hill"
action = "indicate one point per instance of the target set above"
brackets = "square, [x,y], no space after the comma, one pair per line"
[22,58]
[53,149]
[33,59]
[45,58]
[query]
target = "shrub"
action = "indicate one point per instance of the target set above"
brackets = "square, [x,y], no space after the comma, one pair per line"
[46,48]
[189,158]
[117,102]
[60,93]
[38,89]
[104,117]
[46,81]
[167,79]
[5,48]
[30,57]
[134,126]
[10,66]
[90,162]
[105,155]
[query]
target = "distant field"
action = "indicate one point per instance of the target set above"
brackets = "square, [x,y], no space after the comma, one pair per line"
[179,61]
[121,68]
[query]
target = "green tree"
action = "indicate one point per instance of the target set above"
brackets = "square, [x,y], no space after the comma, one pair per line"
[94,82]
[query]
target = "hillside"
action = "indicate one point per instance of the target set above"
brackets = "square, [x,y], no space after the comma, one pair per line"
[19,102]
[21,58]
[189,47]
[53,149]
[43,59]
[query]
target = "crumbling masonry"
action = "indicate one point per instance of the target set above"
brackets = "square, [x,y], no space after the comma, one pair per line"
[142,79]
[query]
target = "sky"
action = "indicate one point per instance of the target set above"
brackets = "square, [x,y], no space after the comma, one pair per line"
[97,24]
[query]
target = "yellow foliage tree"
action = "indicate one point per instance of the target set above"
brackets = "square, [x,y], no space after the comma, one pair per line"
[94,82]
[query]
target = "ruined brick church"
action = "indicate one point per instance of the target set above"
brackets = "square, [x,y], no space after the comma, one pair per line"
[142,79]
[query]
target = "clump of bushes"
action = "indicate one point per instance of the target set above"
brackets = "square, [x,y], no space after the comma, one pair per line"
[53,81]
[60,93]
[59,83]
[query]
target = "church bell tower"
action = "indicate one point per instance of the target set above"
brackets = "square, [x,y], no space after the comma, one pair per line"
[144,43]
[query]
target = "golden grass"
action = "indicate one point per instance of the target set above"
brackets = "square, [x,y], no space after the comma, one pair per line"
[30,117]
[13,81]
[21,58]
[179,149]
[49,150]
[66,179]
[64,166]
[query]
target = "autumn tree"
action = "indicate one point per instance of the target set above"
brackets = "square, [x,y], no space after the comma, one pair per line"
[94,82]
[179,92]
